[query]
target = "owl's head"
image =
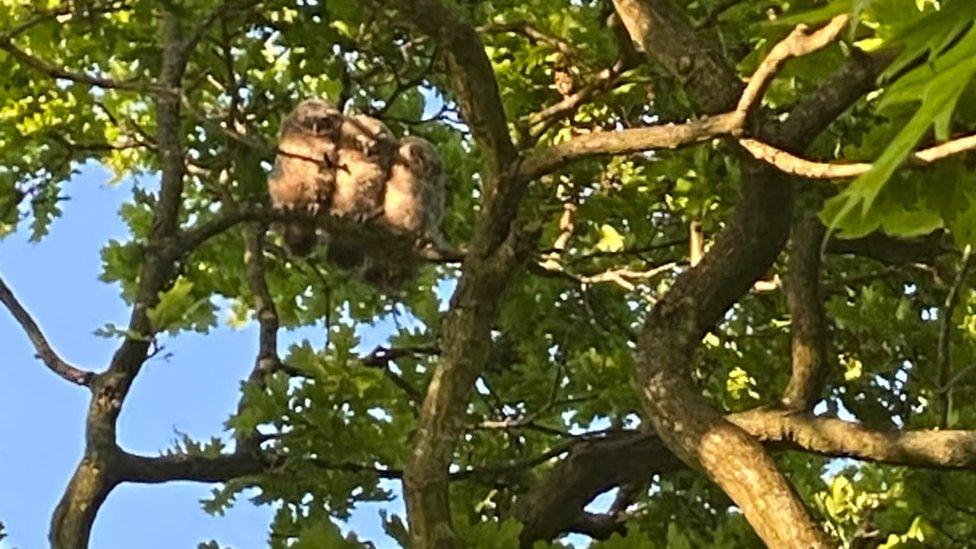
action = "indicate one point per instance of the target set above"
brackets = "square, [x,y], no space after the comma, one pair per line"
[368,135]
[420,156]
[313,117]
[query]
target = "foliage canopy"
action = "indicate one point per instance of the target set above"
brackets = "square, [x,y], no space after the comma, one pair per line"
[579,278]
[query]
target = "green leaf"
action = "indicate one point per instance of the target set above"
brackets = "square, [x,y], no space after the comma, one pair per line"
[610,240]
[179,307]
[937,86]
[323,534]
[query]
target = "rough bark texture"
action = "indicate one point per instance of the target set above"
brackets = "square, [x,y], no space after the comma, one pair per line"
[92,480]
[689,426]
[663,35]
[73,518]
[807,318]
[591,468]
[930,448]
[695,431]
[496,250]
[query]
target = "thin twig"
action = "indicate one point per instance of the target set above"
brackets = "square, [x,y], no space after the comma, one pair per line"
[943,358]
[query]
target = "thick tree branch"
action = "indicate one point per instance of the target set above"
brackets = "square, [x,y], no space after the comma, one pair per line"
[168,468]
[45,352]
[658,29]
[591,467]
[743,252]
[799,42]
[472,77]
[94,478]
[666,136]
[496,251]
[807,317]
[930,448]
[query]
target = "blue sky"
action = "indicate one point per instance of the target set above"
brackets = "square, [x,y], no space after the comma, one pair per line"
[42,416]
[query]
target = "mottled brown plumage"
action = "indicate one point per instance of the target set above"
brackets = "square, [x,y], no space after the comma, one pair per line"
[384,198]
[304,174]
[365,155]
[414,199]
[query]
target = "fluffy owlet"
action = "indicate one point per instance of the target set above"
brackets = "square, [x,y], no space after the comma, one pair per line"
[304,173]
[414,199]
[365,154]
[413,205]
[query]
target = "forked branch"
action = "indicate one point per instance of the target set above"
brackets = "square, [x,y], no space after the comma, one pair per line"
[669,136]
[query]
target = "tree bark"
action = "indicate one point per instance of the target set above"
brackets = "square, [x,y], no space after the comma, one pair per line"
[497,250]
[94,477]
[75,514]
[807,317]
[683,418]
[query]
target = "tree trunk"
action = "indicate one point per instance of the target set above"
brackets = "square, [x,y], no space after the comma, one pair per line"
[73,518]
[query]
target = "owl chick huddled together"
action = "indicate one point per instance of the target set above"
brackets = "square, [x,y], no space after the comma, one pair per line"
[377,200]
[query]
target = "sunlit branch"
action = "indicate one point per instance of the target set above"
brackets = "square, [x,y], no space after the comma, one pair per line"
[596,465]
[799,42]
[811,169]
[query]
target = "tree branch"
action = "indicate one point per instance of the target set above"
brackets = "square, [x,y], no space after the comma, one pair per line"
[222,468]
[267,360]
[94,478]
[666,136]
[807,317]
[656,26]
[929,448]
[799,42]
[591,467]
[810,169]
[53,71]
[687,423]
[540,121]
[526,29]
[472,77]
[943,358]
[497,249]
[45,352]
